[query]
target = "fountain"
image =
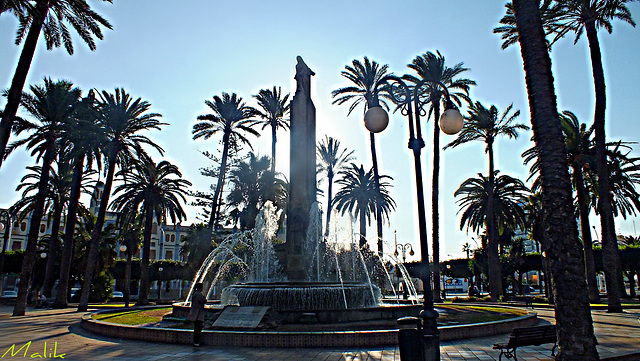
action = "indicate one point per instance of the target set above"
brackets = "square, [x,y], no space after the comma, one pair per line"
[331,278]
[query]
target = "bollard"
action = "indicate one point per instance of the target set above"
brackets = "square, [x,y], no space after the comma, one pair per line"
[410,339]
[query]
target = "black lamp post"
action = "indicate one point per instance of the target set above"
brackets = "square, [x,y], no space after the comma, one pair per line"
[5,224]
[451,122]
[403,248]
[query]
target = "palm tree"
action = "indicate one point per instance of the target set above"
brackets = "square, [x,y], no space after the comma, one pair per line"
[275,109]
[509,196]
[123,119]
[332,161]
[52,105]
[439,79]
[153,189]
[576,339]
[369,80]
[580,157]
[359,196]
[83,138]
[486,124]
[230,117]
[48,16]
[253,184]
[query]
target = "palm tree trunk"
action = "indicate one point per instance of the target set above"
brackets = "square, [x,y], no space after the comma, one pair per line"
[363,228]
[49,280]
[610,256]
[587,242]
[223,169]
[329,201]
[34,231]
[143,295]
[92,257]
[274,125]
[61,300]
[376,177]
[576,339]
[495,267]
[20,76]
[435,207]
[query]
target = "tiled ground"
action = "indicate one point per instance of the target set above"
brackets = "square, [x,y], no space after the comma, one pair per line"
[618,334]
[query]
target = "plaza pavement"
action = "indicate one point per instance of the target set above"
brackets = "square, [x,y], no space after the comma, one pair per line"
[618,337]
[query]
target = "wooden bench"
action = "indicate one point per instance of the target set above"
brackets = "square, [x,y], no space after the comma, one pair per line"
[527,336]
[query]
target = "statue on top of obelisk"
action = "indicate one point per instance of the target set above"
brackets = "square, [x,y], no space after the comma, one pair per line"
[303,76]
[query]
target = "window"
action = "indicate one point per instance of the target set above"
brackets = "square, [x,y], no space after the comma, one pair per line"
[17,245]
[173,238]
[154,228]
[43,228]
[169,255]
[167,238]
[23,226]
[152,254]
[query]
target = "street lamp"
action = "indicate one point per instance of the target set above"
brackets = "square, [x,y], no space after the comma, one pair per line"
[451,122]
[403,248]
[159,281]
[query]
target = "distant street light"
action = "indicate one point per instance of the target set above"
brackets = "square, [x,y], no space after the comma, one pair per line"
[403,248]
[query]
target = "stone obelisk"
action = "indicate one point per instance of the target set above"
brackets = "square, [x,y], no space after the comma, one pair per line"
[302,176]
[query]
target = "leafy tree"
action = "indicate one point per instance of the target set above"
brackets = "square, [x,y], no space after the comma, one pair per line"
[122,120]
[274,109]
[231,117]
[439,80]
[369,79]
[48,17]
[152,189]
[197,245]
[576,339]
[486,124]
[359,196]
[332,161]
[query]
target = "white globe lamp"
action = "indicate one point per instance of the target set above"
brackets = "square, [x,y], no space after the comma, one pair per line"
[376,119]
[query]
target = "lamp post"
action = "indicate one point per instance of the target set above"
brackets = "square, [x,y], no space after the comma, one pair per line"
[160,269]
[451,122]
[403,248]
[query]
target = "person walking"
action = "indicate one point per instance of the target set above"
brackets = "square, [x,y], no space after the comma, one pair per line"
[196,313]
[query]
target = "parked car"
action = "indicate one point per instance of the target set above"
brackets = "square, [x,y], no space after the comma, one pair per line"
[117,295]
[9,294]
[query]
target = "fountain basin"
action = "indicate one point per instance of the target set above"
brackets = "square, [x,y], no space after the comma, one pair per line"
[302,296]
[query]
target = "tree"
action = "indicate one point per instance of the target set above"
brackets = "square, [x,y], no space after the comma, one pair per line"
[275,109]
[332,161]
[197,245]
[486,124]
[580,157]
[359,196]
[588,16]
[252,185]
[122,120]
[509,197]
[369,80]
[154,190]
[48,16]
[231,118]
[17,7]
[576,339]
[52,106]
[82,137]
[439,80]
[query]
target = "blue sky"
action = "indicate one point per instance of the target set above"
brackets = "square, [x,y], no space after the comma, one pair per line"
[176,56]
